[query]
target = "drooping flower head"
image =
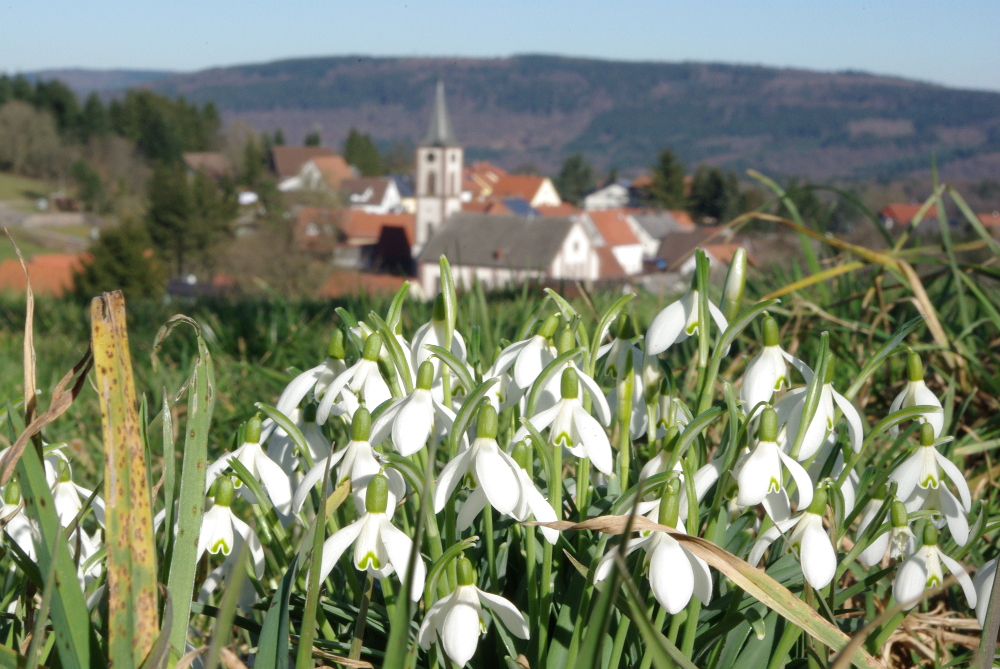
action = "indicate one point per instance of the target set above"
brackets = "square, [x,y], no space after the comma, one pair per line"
[808,538]
[916,393]
[363,379]
[899,533]
[458,619]
[760,473]
[409,420]
[922,570]
[678,321]
[529,356]
[767,372]
[316,379]
[15,521]
[433,333]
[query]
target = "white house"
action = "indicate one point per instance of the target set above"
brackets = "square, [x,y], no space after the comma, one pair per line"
[505,250]
[375,195]
[612,196]
[618,233]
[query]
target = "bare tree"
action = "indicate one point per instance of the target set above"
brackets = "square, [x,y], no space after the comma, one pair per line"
[29,142]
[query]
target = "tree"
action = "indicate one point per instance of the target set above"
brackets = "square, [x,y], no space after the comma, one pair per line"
[94,121]
[667,189]
[56,98]
[360,151]
[186,215]
[313,138]
[89,187]
[122,260]
[399,158]
[29,143]
[575,179]
[279,137]
[715,195]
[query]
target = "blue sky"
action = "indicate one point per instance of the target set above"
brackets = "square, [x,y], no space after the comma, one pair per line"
[953,43]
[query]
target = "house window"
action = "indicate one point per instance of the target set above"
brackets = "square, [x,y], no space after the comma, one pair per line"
[430,157]
[454,157]
[576,246]
[312,230]
[431,184]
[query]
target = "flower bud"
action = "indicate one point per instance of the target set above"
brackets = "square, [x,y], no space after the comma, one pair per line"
[768,425]
[930,535]
[898,515]
[252,432]
[361,425]
[373,346]
[670,503]
[818,505]
[440,312]
[224,491]
[522,454]
[12,494]
[425,375]
[736,278]
[549,326]
[466,573]
[565,341]
[771,336]
[626,327]
[914,367]
[570,387]
[487,424]
[926,434]
[336,348]
[377,495]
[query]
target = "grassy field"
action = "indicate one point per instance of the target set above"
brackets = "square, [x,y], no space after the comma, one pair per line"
[18,188]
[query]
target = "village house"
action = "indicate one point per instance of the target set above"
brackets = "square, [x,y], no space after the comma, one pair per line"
[288,162]
[504,250]
[901,215]
[212,164]
[652,226]
[612,196]
[618,234]
[374,195]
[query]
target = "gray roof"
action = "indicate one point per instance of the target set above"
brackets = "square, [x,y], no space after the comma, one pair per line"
[439,132]
[488,240]
[658,223]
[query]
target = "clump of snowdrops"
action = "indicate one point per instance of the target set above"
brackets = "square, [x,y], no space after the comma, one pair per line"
[567,499]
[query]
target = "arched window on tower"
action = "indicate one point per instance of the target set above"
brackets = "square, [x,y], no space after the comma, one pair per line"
[431,183]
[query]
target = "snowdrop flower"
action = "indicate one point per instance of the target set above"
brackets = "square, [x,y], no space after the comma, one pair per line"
[792,404]
[899,531]
[530,356]
[983,583]
[264,469]
[674,572]
[495,472]
[916,393]
[363,379]
[358,462]
[379,547]
[704,478]
[678,321]
[639,419]
[432,333]
[15,521]
[317,379]
[616,353]
[69,497]
[458,619]
[552,393]
[847,490]
[670,411]
[221,531]
[922,570]
[816,553]
[409,420]
[920,481]
[572,427]
[760,472]
[768,370]
[282,449]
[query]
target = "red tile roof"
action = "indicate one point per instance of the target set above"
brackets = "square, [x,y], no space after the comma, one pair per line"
[991,220]
[609,269]
[683,218]
[902,214]
[524,186]
[613,226]
[334,170]
[724,252]
[488,206]
[348,283]
[288,160]
[364,228]
[645,181]
[51,273]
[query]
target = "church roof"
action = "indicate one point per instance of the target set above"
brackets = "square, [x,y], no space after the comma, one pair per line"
[439,132]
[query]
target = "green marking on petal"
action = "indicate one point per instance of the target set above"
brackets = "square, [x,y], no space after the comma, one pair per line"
[780,382]
[774,485]
[220,545]
[930,482]
[563,439]
[369,561]
[933,581]
[691,329]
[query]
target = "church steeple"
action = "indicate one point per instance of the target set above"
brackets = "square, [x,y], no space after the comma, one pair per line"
[439,173]
[439,132]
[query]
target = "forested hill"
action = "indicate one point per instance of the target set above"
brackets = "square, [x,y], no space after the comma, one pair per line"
[538,109]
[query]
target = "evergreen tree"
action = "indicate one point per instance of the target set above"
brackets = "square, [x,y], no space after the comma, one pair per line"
[94,120]
[122,260]
[21,90]
[313,139]
[89,187]
[360,151]
[667,189]
[186,215]
[715,195]
[56,98]
[6,90]
[575,179]
[279,137]
[253,162]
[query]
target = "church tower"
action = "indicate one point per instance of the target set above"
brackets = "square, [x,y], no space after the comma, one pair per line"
[439,173]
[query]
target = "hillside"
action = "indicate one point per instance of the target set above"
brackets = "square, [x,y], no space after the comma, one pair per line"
[539,108]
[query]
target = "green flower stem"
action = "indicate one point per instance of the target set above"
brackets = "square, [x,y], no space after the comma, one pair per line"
[359,628]
[624,427]
[788,638]
[582,488]
[490,550]
[661,617]
[675,626]
[619,644]
[388,596]
[691,627]
[528,539]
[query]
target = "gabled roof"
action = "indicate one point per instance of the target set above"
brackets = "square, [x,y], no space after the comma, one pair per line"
[676,247]
[613,226]
[658,224]
[564,210]
[488,206]
[288,160]
[365,190]
[484,240]
[519,206]
[524,186]
[360,227]
[334,169]
[609,269]
[439,132]
[904,213]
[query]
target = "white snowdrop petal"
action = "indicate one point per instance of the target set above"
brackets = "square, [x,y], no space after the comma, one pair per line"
[253,543]
[954,515]
[275,482]
[431,624]
[382,426]
[474,504]
[460,629]
[922,395]
[802,481]
[983,583]
[667,327]
[963,577]
[768,537]
[595,439]
[907,475]
[336,544]
[911,579]
[897,402]
[872,555]
[702,578]
[497,480]
[399,548]
[332,391]
[758,474]
[855,427]
[507,613]
[413,423]
[601,407]
[297,389]
[956,476]
[670,575]
[450,477]
[817,556]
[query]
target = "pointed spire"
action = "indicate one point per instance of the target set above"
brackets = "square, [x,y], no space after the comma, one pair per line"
[439,132]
